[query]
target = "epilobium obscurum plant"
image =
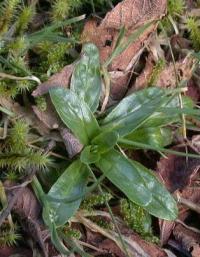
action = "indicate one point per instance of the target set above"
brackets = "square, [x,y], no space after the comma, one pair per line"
[140,120]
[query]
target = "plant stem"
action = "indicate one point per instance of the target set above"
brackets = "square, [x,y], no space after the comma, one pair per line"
[111,213]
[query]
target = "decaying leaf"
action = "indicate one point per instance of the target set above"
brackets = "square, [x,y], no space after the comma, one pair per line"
[15,252]
[131,14]
[24,113]
[166,228]
[176,172]
[181,72]
[28,209]
[60,79]
[136,246]
[143,79]
[188,239]
[49,117]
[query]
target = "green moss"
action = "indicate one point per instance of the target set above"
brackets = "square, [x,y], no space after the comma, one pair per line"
[41,103]
[17,155]
[175,7]
[8,10]
[71,232]
[24,19]
[9,236]
[18,137]
[194,30]
[137,219]
[95,200]
[159,66]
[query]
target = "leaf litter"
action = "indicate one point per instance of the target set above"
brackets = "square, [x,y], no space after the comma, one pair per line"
[135,68]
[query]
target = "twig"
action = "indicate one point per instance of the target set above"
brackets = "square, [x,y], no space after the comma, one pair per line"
[91,246]
[188,203]
[189,227]
[111,215]
[8,76]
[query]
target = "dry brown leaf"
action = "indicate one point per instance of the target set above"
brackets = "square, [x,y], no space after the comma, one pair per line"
[72,144]
[176,172]
[15,252]
[193,90]
[49,117]
[60,79]
[24,113]
[136,246]
[28,209]
[51,120]
[131,14]
[166,228]
[143,79]
[182,71]
[187,238]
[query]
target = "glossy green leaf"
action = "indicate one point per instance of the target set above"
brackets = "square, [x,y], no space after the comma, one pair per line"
[134,110]
[171,113]
[71,183]
[75,114]
[134,144]
[105,141]
[139,184]
[86,78]
[155,136]
[90,154]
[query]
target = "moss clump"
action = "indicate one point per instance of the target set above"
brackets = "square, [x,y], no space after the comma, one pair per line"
[95,200]
[194,30]
[137,219]
[158,68]
[17,155]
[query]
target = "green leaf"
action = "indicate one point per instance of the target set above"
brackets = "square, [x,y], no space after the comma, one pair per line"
[86,78]
[122,45]
[134,110]
[71,183]
[155,136]
[49,33]
[90,154]
[75,113]
[139,184]
[134,144]
[105,141]
[171,112]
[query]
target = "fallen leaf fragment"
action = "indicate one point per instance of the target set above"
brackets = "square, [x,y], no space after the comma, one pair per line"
[60,79]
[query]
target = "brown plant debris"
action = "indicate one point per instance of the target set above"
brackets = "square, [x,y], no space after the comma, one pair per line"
[131,14]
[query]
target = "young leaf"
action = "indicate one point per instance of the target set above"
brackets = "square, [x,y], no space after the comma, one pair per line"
[90,155]
[71,183]
[86,79]
[134,110]
[105,141]
[75,113]
[138,184]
